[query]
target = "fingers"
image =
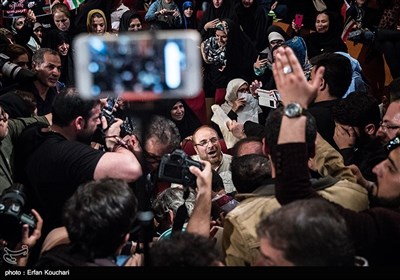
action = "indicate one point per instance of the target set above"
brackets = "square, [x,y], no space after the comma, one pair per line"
[294,63]
[104,124]
[39,220]
[197,172]
[25,233]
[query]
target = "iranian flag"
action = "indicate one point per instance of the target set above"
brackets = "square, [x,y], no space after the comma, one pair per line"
[73,4]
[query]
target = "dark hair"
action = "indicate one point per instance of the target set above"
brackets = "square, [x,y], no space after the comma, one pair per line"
[309,233]
[358,110]
[14,51]
[68,105]
[338,72]
[335,22]
[184,250]
[239,144]
[38,56]
[99,215]
[18,104]
[54,38]
[126,18]
[250,172]
[273,125]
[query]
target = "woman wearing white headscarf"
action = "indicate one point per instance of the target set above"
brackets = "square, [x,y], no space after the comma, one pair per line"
[240,105]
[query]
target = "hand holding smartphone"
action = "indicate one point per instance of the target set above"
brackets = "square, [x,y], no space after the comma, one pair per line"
[262,55]
[139,66]
[298,21]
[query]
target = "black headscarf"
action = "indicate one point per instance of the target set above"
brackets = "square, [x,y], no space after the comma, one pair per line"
[240,53]
[188,124]
[254,23]
[327,42]
[126,20]
[227,10]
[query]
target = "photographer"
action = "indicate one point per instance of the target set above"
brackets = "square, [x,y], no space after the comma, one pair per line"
[20,252]
[55,160]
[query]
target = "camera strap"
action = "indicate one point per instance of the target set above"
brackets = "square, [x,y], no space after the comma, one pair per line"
[181,214]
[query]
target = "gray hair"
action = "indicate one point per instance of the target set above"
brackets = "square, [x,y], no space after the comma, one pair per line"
[171,199]
[164,130]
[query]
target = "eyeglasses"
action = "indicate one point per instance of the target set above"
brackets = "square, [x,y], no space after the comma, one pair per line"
[386,126]
[393,144]
[204,143]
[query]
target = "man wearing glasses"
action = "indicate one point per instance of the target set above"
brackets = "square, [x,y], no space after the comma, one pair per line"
[207,146]
[391,122]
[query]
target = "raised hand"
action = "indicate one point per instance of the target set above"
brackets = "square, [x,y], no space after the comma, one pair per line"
[290,80]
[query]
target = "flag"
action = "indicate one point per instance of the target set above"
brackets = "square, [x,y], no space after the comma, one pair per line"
[73,4]
[348,27]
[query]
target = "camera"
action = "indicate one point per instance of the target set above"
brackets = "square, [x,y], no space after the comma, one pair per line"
[174,168]
[127,127]
[12,202]
[268,98]
[15,72]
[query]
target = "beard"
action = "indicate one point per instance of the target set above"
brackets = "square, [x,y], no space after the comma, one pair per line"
[84,138]
[393,202]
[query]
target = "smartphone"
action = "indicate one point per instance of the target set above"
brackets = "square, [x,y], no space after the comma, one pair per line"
[262,55]
[298,20]
[139,66]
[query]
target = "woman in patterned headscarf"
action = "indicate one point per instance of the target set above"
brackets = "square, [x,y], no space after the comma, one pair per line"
[227,55]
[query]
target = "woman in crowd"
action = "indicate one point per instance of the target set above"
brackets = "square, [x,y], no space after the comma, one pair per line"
[181,114]
[227,55]
[240,105]
[327,38]
[263,65]
[96,22]
[130,21]
[59,41]
[254,22]
[189,16]
[164,14]
[215,12]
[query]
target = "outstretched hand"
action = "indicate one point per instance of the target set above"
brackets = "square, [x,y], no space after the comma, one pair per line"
[291,81]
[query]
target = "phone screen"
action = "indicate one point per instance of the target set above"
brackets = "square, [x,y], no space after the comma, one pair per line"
[136,67]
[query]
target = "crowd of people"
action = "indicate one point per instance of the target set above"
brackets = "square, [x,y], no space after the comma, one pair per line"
[290,161]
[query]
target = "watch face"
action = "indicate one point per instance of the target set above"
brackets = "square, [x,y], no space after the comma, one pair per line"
[293,110]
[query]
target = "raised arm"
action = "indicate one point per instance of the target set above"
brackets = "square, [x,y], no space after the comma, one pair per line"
[292,181]
[200,219]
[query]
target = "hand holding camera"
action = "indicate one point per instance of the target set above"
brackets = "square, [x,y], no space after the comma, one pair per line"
[175,168]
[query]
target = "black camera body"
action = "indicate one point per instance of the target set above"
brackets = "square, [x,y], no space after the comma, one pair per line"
[127,127]
[14,71]
[12,202]
[174,168]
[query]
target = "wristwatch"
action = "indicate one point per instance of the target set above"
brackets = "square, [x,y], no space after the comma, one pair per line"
[294,110]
